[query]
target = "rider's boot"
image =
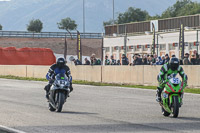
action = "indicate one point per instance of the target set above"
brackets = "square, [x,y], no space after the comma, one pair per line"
[71,89]
[47,88]
[158,95]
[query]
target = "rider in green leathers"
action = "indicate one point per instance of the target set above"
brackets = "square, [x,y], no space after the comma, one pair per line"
[168,70]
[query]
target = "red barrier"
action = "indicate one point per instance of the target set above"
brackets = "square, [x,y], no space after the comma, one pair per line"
[26,56]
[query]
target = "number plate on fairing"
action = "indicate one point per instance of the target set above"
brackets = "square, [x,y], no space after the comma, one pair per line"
[175,80]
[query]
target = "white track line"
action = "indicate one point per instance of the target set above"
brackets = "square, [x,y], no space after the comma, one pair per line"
[10,130]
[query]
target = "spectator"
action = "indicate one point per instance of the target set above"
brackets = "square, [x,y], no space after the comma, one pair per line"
[167,59]
[144,60]
[186,60]
[194,60]
[124,60]
[162,60]
[137,60]
[198,59]
[92,57]
[158,61]
[77,62]
[97,61]
[87,62]
[113,61]
[92,60]
[173,55]
[118,62]
[107,61]
[134,60]
[154,58]
[150,60]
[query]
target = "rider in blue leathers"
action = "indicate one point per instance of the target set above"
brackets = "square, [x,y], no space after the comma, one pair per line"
[59,67]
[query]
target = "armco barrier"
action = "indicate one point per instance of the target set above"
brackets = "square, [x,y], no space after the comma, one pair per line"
[136,75]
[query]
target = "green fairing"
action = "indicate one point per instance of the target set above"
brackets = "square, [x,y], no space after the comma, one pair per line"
[169,100]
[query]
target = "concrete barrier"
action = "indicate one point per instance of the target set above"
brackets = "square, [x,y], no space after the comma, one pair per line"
[37,71]
[136,75]
[86,73]
[17,70]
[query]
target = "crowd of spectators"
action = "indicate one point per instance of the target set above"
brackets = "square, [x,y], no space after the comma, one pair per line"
[93,61]
[144,59]
[139,60]
[194,60]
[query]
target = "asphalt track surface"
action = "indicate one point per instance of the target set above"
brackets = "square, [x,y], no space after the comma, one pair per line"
[92,109]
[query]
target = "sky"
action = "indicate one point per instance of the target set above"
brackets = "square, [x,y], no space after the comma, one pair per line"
[16,14]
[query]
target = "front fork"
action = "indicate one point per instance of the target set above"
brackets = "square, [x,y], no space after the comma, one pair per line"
[167,103]
[180,97]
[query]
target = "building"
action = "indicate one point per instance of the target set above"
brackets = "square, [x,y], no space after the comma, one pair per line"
[139,40]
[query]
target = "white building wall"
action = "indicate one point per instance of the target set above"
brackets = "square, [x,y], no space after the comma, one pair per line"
[167,38]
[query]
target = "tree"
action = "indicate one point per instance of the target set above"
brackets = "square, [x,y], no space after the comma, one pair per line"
[132,15]
[1,27]
[67,24]
[110,22]
[35,26]
[182,8]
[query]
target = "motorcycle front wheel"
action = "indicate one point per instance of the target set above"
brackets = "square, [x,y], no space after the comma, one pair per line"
[175,107]
[60,101]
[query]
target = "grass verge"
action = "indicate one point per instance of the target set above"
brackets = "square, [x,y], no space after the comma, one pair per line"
[187,90]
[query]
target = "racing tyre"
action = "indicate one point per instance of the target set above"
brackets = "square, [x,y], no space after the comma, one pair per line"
[175,108]
[60,101]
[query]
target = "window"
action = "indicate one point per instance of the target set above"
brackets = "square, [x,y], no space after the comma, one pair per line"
[186,44]
[162,46]
[107,49]
[137,49]
[114,49]
[191,46]
[171,47]
[145,48]
[130,48]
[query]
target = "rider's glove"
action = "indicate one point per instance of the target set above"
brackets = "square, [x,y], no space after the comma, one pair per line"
[70,79]
[162,82]
[51,81]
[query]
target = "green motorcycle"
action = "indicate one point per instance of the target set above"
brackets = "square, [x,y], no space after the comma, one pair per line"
[172,96]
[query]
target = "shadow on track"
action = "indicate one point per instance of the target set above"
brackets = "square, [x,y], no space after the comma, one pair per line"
[79,113]
[189,118]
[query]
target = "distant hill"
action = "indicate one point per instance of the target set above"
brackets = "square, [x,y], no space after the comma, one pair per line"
[16,14]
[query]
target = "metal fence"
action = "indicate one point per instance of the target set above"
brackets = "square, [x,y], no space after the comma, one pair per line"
[163,25]
[24,34]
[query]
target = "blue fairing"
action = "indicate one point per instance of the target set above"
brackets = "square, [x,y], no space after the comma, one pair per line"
[56,71]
